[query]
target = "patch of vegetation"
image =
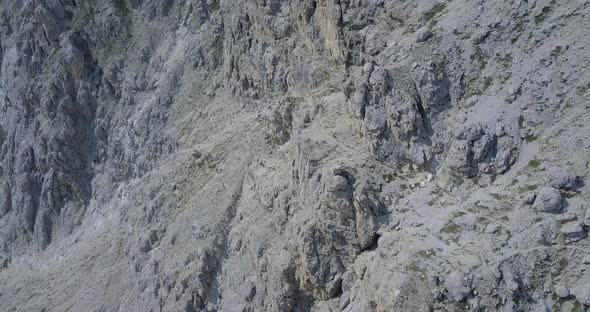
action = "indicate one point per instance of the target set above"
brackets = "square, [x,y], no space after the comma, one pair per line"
[535,163]
[556,52]
[563,263]
[399,20]
[437,191]
[479,205]
[541,17]
[388,177]
[480,57]
[569,195]
[582,89]
[277,140]
[527,188]
[321,75]
[451,228]
[121,7]
[471,88]
[433,23]
[531,138]
[487,83]
[427,254]
[459,180]
[458,214]
[417,269]
[437,8]
[496,196]
[411,173]
[206,161]
[460,307]
[577,307]
[505,60]
[295,100]
[483,222]
[493,177]
[456,178]
[218,47]
[81,16]
[566,304]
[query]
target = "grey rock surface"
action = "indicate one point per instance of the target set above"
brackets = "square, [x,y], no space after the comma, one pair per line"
[548,199]
[457,286]
[573,230]
[562,291]
[423,34]
[304,155]
[564,180]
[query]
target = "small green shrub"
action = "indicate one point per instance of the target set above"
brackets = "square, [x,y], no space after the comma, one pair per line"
[437,8]
[433,23]
[487,83]
[535,163]
[480,57]
[427,254]
[121,7]
[583,88]
[451,228]
[569,195]
[541,17]
[388,177]
[556,52]
[531,138]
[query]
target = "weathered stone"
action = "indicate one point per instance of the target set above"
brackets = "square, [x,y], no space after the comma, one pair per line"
[472,149]
[582,293]
[561,179]
[529,198]
[573,231]
[457,286]
[562,291]
[548,200]
[367,207]
[423,34]
[586,219]
[565,217]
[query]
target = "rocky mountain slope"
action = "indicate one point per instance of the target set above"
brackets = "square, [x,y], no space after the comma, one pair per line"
[302,155]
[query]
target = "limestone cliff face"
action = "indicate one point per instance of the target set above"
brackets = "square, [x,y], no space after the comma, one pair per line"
[327,155]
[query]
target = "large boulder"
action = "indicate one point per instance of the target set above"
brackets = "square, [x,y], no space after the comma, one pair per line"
[366,206]
[548,200]
[457,286]
[573,231]
[473,145]
[328,241]
[423,34]
[564,180]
